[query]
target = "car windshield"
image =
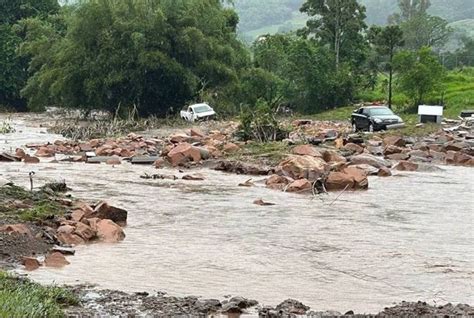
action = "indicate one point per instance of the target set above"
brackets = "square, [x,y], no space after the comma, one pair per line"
[382,111]
[202,109]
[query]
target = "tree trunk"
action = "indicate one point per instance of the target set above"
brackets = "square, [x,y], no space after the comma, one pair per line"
[390,79]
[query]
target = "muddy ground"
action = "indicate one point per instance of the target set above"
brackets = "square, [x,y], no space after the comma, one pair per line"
[119,304]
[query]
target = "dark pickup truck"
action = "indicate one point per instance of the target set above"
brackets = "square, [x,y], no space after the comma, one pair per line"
[375,118]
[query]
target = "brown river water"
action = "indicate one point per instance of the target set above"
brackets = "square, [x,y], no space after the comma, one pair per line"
[409,237]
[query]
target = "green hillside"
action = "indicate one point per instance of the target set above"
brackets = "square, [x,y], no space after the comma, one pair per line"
[271,16]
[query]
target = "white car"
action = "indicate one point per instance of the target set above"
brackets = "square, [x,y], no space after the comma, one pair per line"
[197,112]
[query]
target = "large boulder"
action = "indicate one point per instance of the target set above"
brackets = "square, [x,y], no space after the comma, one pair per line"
[391,149]
[30,263]
[457,158]
[333,157]
[299,167]
[350,178]
[84,231]
[306,150]
[301,185]
[354,148]
[183,153]
[394,141]
[105,211]
[277,182]
[109,232]
[370,160]
[56,260]
[19,229]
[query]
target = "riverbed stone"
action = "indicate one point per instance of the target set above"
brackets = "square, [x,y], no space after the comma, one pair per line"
[394,141]
[109,232]
[105,211]
[31,263]
[301,185]
[298,167]
[406,166]
[374,161]
[56,260]
[306,150]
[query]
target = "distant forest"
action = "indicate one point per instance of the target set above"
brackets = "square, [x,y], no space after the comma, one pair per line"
[257,14]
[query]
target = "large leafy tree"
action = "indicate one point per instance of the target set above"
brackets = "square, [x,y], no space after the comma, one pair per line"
[337,23]
[151,54]
[386,41]
[419,28]
[13,67]
[420,73]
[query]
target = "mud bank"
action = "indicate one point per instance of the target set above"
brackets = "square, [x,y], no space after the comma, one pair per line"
[96,302]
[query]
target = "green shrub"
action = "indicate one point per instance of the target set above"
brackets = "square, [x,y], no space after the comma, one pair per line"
[22,298]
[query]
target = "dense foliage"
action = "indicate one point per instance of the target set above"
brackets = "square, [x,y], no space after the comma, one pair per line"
[152,57]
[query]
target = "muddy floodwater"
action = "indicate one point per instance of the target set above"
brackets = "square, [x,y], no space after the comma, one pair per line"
[410,237]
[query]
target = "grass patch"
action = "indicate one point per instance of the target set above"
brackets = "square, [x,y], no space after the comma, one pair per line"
[270,153]
[23,298]
[35,206]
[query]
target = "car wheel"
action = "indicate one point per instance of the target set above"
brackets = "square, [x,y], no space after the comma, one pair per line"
[371,127]
[354,127]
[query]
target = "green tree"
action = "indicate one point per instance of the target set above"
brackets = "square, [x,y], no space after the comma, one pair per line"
[337,23]
[419,28]
[420,73]
[14,67]
[151,54]
[386,41]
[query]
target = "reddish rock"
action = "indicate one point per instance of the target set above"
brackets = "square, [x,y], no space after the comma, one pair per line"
[44,152]
[56,260]
[104,150]
[457,158]
[109,232]
[298,167]
[85,147]
[353,148]
[30,160]
[20,153]
[370,160]
[94,143]
[277,182]
[180,138]
[384,172]
[301,122]
[77,215]
[183,153]
[306,150]
[195,132]
[20,229]
[70,239]
[333,157]
[113,161]
[125,153]
[92,222]
[391,149]
[435,147]
[159,163]
[406,166]
[231,148]
[105,211]
[301,185]
[398,156]
[349,178]
[394,141]
[85,231]
[30,263]
[65,229]
[454,146]
[419,153]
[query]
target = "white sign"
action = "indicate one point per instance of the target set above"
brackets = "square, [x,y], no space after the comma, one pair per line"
[430,110]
